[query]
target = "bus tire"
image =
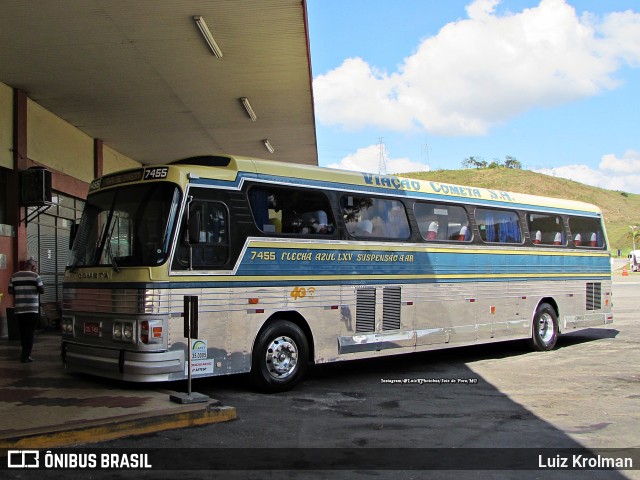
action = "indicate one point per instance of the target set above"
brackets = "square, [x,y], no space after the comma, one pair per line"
[280,357]
[544,333]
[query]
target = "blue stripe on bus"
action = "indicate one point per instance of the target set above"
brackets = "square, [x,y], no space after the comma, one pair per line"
[316,262]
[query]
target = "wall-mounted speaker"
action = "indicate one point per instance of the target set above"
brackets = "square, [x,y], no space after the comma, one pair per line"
[35,187]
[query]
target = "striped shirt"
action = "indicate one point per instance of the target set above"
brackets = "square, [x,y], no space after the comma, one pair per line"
[25,288]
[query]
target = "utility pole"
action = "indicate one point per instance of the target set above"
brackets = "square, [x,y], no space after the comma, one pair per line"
[382,165]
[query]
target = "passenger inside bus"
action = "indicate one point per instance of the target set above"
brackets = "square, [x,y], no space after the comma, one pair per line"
[432,231]
[364,228]
[315,222]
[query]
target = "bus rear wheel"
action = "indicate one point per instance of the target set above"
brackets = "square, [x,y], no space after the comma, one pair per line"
[545,328]
[280,357]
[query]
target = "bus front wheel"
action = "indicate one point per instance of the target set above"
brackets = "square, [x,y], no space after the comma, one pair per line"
[280,357]
[545,328]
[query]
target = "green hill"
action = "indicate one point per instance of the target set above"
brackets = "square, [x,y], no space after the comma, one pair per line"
[621,209]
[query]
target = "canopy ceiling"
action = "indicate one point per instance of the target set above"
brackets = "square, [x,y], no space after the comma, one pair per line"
[140,76]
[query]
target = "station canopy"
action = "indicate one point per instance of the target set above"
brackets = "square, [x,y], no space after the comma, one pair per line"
[141,76]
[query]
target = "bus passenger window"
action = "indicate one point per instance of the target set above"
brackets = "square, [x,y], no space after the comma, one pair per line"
[366,216]
[546,229]
[498,226]
[294,211]
[442,222]
[587,232]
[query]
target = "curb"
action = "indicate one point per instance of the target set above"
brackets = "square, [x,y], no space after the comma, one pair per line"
[120,427]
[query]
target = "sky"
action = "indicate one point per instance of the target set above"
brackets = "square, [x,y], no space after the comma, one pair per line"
[425,84]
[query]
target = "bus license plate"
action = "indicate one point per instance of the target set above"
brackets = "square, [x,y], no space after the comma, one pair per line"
[92,328]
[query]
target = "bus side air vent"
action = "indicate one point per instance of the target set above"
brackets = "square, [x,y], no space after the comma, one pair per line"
[594,296]
[365,310]
[391,301]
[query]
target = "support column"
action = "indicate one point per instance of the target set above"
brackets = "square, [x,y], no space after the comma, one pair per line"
[20,162]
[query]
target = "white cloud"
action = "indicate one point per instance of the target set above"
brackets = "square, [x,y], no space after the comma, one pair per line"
[613,173]
[484,70]
[367,159]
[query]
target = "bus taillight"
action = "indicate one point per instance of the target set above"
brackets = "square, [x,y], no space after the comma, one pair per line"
[151,331]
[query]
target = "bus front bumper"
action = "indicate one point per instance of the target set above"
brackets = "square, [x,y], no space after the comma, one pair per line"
[122,364]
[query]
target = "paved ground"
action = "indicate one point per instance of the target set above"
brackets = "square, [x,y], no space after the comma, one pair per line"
[41,405]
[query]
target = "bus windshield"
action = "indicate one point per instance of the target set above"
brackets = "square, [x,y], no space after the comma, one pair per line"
[126,226]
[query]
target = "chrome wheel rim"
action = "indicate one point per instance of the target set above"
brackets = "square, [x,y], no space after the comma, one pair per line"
[546,328]
[282,357]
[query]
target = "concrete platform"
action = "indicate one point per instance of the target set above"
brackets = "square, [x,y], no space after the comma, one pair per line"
[43,406]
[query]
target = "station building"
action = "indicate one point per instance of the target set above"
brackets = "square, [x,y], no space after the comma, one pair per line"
[88,88]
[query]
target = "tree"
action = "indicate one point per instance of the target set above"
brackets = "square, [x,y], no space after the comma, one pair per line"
[479,163]
[512,162]
[474,162]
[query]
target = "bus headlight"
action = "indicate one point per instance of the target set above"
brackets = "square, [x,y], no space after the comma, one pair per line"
[128,331]
[67,326]
[117,330]
[123,331]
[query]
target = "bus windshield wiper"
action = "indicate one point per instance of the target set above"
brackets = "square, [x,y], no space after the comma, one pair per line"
[114,264]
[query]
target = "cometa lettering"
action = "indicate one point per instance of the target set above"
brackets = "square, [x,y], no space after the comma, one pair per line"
[456,190]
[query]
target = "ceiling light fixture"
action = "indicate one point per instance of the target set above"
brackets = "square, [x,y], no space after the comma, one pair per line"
[268,145]
[248,108]
[206,33]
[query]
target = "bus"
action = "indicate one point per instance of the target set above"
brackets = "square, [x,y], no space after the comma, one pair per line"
[293,265]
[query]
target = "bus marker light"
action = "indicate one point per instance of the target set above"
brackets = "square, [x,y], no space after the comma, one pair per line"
[151,331]
[144,332]
[492,309]
[254,301]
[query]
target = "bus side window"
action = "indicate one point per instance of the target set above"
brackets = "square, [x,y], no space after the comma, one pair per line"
[294,211]
[204,239]
[442,222]
[587,232]
[498,226]
[366,217]
[546,229]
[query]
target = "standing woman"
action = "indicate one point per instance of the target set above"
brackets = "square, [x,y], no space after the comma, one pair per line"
[26,287]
